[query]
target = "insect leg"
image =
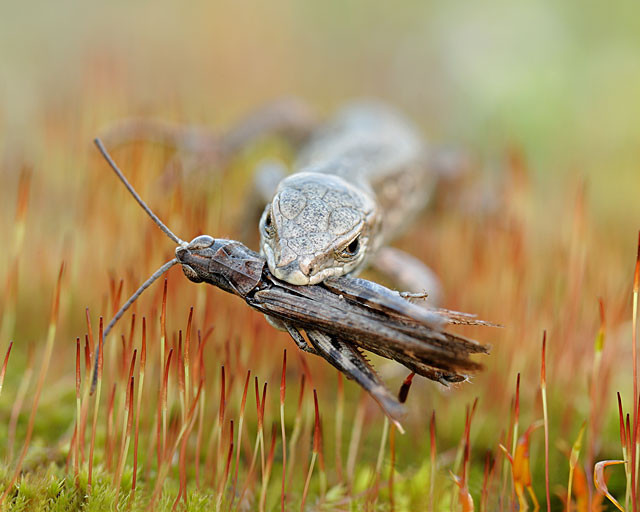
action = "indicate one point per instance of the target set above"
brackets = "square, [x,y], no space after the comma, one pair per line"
[352,363]
[299,339]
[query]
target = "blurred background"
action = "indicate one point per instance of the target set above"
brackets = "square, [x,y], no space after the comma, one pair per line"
[546,91]
[560,79]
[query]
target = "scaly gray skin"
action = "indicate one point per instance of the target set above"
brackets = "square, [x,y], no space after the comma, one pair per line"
[361,178]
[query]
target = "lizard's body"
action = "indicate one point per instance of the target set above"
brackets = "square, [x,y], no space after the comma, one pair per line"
[357,183]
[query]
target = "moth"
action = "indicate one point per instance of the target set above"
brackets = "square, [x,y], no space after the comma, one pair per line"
[337,319]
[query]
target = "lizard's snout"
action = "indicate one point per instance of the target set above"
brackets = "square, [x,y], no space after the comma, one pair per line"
[302,272]
[292,273]
[288,266]
[305,266]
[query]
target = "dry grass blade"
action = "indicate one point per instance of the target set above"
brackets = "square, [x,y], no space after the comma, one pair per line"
[3,371]
[110,434]
[628,438]
[202,378]
[240,426]
[127,425]
[182,387]
[297,428]
[489,467]
[269,466]
[225,478]
[99,354]
[163,401]
[220,425]
[76,463]
[635,448]
[432,456]
[339,423]
[356,434]
[573,461]
[314,454]
[545,413]
[516,417]
[392,465]
[381,448]
[141,372]
[187,356]
[126,436]
[601,483]
[283,387]
[256,446]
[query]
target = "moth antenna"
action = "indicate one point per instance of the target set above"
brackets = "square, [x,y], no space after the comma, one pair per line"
[138,292]
[132,191]
[122,311]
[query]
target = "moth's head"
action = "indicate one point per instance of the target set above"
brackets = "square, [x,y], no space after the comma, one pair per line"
[194,257]
[316,226]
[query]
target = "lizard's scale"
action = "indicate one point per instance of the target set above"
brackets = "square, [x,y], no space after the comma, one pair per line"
[371,146]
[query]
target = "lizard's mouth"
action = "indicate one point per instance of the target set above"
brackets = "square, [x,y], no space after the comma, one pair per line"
[293,274]
[293,277]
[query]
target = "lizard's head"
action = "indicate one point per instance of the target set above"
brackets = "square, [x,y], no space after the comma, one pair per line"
[317,226]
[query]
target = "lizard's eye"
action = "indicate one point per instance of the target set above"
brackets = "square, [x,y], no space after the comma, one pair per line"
[351,250]
[269,228]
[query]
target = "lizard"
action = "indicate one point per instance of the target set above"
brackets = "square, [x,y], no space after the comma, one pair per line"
[357,183]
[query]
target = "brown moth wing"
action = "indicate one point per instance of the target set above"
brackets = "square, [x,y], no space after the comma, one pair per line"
[374,333]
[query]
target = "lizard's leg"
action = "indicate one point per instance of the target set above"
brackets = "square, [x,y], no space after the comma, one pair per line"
[451,164]
[460,187]
[409,274]
[288,118]
[452,167]
[197,146]
[156,131]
